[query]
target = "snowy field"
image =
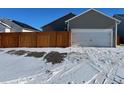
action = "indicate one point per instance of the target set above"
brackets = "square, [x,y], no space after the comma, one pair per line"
[62,65]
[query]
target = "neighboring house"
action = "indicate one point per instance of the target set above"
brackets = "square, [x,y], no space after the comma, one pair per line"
[7,25]
[93,28]
[4,27]
[58,24]
[120,27]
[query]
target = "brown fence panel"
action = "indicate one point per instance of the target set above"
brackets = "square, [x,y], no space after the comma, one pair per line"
[62,39]
[46,39]
[52,40]
[35,39]
[69,38]
[9,40]
[118,40]
[27,39]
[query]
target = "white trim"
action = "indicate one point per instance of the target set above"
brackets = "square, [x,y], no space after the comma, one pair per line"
[112,39]
[105,30]
[95,11]
[68,26]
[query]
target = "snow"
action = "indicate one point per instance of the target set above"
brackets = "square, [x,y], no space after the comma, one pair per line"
[80,66]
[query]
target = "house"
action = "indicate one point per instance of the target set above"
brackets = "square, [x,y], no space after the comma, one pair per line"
[7,25]
[120,27]
[58,24]
[93,28]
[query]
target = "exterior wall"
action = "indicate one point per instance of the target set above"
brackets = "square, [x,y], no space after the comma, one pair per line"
[48,28]
[92,20]
[57,26]
[16,29]
[7,30]
[24,30]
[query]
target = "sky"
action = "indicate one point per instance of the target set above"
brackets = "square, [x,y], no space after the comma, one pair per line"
[38,17]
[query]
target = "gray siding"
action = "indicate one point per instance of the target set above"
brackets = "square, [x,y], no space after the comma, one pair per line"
[92,20]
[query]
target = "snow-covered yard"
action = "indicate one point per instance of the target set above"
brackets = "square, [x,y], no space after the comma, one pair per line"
[62,65]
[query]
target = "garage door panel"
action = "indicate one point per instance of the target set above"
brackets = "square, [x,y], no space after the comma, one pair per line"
[92,38]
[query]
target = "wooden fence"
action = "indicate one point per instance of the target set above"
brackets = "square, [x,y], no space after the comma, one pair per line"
[35,39]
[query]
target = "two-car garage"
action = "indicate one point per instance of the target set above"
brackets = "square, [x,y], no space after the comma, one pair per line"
[92,37]
[93,29]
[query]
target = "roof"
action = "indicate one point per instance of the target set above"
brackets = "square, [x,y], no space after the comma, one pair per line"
[69,14]
[94,11]
[122,15]
[23,25]
[4,24]
[119,16]
[10,23]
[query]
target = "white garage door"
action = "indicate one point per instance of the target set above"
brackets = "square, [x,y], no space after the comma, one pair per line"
[92,37]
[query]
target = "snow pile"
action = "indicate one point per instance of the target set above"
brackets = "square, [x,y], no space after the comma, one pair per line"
[78,66]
